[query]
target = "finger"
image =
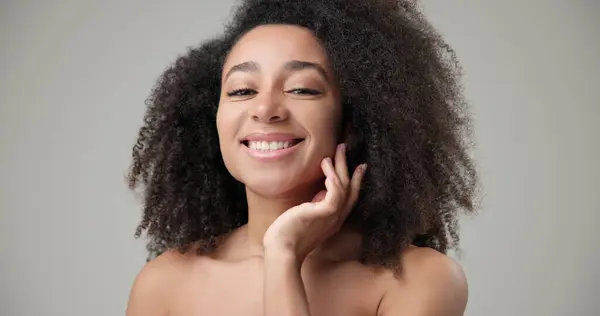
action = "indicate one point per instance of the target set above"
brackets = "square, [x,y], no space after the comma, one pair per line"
[330,172]
[333,198]
[355,183]
[341,166]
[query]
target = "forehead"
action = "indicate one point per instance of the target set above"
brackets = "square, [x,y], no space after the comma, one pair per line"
[275,45]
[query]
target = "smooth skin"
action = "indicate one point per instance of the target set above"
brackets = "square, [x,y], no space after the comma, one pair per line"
[294,257]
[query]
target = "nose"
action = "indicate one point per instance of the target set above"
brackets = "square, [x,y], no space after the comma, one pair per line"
[268,109]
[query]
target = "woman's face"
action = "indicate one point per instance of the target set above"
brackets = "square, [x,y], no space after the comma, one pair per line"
[279,113]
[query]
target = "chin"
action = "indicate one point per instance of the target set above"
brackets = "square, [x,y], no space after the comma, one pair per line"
[272,188]
[279,186]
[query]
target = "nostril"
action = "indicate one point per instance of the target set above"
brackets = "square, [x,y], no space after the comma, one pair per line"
[267,118]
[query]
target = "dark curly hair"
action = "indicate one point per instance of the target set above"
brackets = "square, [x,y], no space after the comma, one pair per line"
[401,98]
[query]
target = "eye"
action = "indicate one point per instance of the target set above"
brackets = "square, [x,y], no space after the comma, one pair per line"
[304,91]
[241,93]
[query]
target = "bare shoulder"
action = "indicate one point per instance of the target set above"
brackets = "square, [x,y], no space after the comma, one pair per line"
[429,284]
[150,293]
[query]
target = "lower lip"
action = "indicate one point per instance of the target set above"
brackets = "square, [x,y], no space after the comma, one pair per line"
[272,155]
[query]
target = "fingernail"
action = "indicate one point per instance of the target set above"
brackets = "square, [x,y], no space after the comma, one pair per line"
[363,167]
[342,147]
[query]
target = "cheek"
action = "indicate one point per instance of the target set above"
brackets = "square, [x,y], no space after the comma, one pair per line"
[228,123]
[324,128]
[325,132]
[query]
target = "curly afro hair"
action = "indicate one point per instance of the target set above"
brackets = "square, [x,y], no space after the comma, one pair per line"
[402,101]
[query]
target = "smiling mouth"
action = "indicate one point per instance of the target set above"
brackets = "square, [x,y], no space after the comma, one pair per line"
[268,146]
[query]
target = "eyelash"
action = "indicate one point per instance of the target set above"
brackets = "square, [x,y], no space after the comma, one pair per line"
[240,92]
[246,92]
[305,91]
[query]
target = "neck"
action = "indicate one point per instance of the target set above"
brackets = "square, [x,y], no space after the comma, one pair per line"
[264,210]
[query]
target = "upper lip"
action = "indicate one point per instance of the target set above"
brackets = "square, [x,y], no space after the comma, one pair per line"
[270,137]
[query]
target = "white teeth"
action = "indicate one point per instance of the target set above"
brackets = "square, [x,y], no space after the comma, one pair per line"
[268,146]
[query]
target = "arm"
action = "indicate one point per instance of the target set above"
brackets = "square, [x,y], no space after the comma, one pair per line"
[299,230]
[284,293]
[432,285]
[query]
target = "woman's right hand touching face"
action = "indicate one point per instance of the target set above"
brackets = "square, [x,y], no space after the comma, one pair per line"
[302,228]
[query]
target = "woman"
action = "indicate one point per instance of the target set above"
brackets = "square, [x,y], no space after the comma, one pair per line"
[253,164]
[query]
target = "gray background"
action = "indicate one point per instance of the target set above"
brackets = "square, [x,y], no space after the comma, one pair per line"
[74,75]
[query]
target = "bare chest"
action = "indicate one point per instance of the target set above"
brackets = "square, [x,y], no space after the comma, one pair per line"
[232,291]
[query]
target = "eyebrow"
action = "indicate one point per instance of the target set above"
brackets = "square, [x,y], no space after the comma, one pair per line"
[292,65]
[295,65]
[249,66]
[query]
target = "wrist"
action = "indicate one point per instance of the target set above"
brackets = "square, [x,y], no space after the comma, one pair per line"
[282,256]
[278,247]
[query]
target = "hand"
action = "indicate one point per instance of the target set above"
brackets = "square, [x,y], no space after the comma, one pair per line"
[302,228]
